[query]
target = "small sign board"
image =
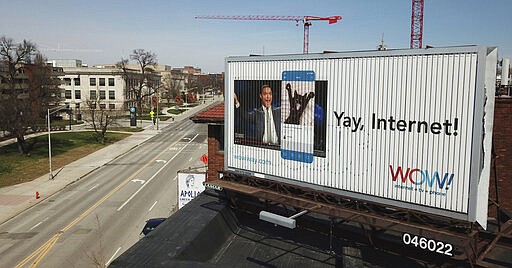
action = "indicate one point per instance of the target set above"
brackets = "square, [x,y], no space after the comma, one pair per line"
[204,159]
[190,185]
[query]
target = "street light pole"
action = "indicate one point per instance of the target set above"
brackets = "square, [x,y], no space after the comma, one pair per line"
[50,140]
[157,111]
[49,145]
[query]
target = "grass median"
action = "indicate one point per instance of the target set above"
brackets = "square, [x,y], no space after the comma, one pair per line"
[66,148]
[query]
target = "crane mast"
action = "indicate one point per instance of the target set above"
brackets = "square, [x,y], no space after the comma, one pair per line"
[417,23]
[306,20]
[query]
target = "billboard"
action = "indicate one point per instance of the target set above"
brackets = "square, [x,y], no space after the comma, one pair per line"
[409,128]
[190,185]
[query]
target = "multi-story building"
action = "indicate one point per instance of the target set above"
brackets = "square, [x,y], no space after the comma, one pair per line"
[106,84]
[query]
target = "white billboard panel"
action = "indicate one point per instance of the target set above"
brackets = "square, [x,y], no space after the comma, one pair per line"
[402,127]
[190,185]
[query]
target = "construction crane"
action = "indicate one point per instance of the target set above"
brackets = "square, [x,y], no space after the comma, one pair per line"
[306,20]
[417,24]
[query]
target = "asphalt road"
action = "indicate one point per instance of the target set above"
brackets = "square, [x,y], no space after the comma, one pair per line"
[94,220]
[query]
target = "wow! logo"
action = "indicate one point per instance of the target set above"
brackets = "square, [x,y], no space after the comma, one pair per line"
[421,177]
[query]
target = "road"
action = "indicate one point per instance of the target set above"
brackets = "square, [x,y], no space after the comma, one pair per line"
[94,220]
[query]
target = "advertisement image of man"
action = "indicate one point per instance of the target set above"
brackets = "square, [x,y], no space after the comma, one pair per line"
[266,119]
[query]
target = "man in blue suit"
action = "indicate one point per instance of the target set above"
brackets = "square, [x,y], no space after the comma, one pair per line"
[266,119]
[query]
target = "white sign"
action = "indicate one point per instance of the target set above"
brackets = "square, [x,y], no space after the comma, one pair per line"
[190,185]
[405,127]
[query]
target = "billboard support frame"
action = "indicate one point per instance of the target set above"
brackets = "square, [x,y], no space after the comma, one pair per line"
[474,242]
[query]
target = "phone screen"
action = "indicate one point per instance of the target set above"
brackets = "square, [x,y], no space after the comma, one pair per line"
[297,115]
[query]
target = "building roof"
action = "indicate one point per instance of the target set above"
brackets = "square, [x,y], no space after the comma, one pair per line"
[213,114]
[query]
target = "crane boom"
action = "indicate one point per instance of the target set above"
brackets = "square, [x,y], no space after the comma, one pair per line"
[306,20]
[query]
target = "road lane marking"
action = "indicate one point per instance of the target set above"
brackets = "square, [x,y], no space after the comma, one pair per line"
[41,252]
[35,226]
[113,256]
[94,187]
[139,181]
[151,208]
[175,177]
[190,160]
[161,161]
[154,175]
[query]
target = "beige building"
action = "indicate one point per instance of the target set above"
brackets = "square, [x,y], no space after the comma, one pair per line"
[105,83]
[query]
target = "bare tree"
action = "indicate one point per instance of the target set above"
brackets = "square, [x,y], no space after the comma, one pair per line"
[142,81]
[27,87]
[170,86]
[101,117]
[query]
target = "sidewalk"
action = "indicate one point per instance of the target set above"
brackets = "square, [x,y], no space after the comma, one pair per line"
[17,198]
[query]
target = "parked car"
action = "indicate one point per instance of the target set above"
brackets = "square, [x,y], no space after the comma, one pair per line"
[151,224]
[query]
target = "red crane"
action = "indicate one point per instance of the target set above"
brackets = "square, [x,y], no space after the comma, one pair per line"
[306,20]
[417,23]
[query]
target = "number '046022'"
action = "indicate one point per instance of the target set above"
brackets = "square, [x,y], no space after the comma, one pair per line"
[427,244]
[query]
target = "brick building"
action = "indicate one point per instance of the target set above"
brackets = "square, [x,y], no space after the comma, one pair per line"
[214,117]
[502,142]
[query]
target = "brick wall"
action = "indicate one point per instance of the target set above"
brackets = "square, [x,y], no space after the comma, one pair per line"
[215,155]
[502,138]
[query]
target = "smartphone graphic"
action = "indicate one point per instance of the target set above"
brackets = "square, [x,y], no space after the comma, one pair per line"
[297,115]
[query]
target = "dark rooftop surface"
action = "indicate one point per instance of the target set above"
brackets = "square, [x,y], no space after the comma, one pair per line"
[207,233]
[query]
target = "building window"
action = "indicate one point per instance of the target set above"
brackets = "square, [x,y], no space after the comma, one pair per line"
[111,82]
[77,106]
[67,94]
[102,82]
[103,106]
[111,95]
[102,94]
[111,106]
[78,94]
[77,81]
[67,81]
[92,82]
[92,95]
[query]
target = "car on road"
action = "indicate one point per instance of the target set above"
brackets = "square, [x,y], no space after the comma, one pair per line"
[151,224]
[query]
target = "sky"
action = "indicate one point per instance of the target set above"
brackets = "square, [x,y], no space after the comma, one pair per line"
[105,31]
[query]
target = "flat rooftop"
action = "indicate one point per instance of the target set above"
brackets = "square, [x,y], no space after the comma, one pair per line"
[208,233]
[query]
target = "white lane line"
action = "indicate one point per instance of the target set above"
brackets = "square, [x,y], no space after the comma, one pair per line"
[190,160]
[93,187]
[152,177]
[35,226]
[113,256]
[175,177]
[153,205]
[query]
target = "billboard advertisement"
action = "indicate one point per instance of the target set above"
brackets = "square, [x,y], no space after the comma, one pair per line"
[190,185]
[409,128]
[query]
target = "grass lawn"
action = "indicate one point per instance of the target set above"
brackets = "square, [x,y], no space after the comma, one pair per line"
[66,148]
[126,129]
[176,110]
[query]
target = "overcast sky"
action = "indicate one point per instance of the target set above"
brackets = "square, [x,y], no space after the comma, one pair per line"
[103,31]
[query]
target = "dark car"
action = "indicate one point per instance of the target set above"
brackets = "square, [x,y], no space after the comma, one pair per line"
[151,224]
